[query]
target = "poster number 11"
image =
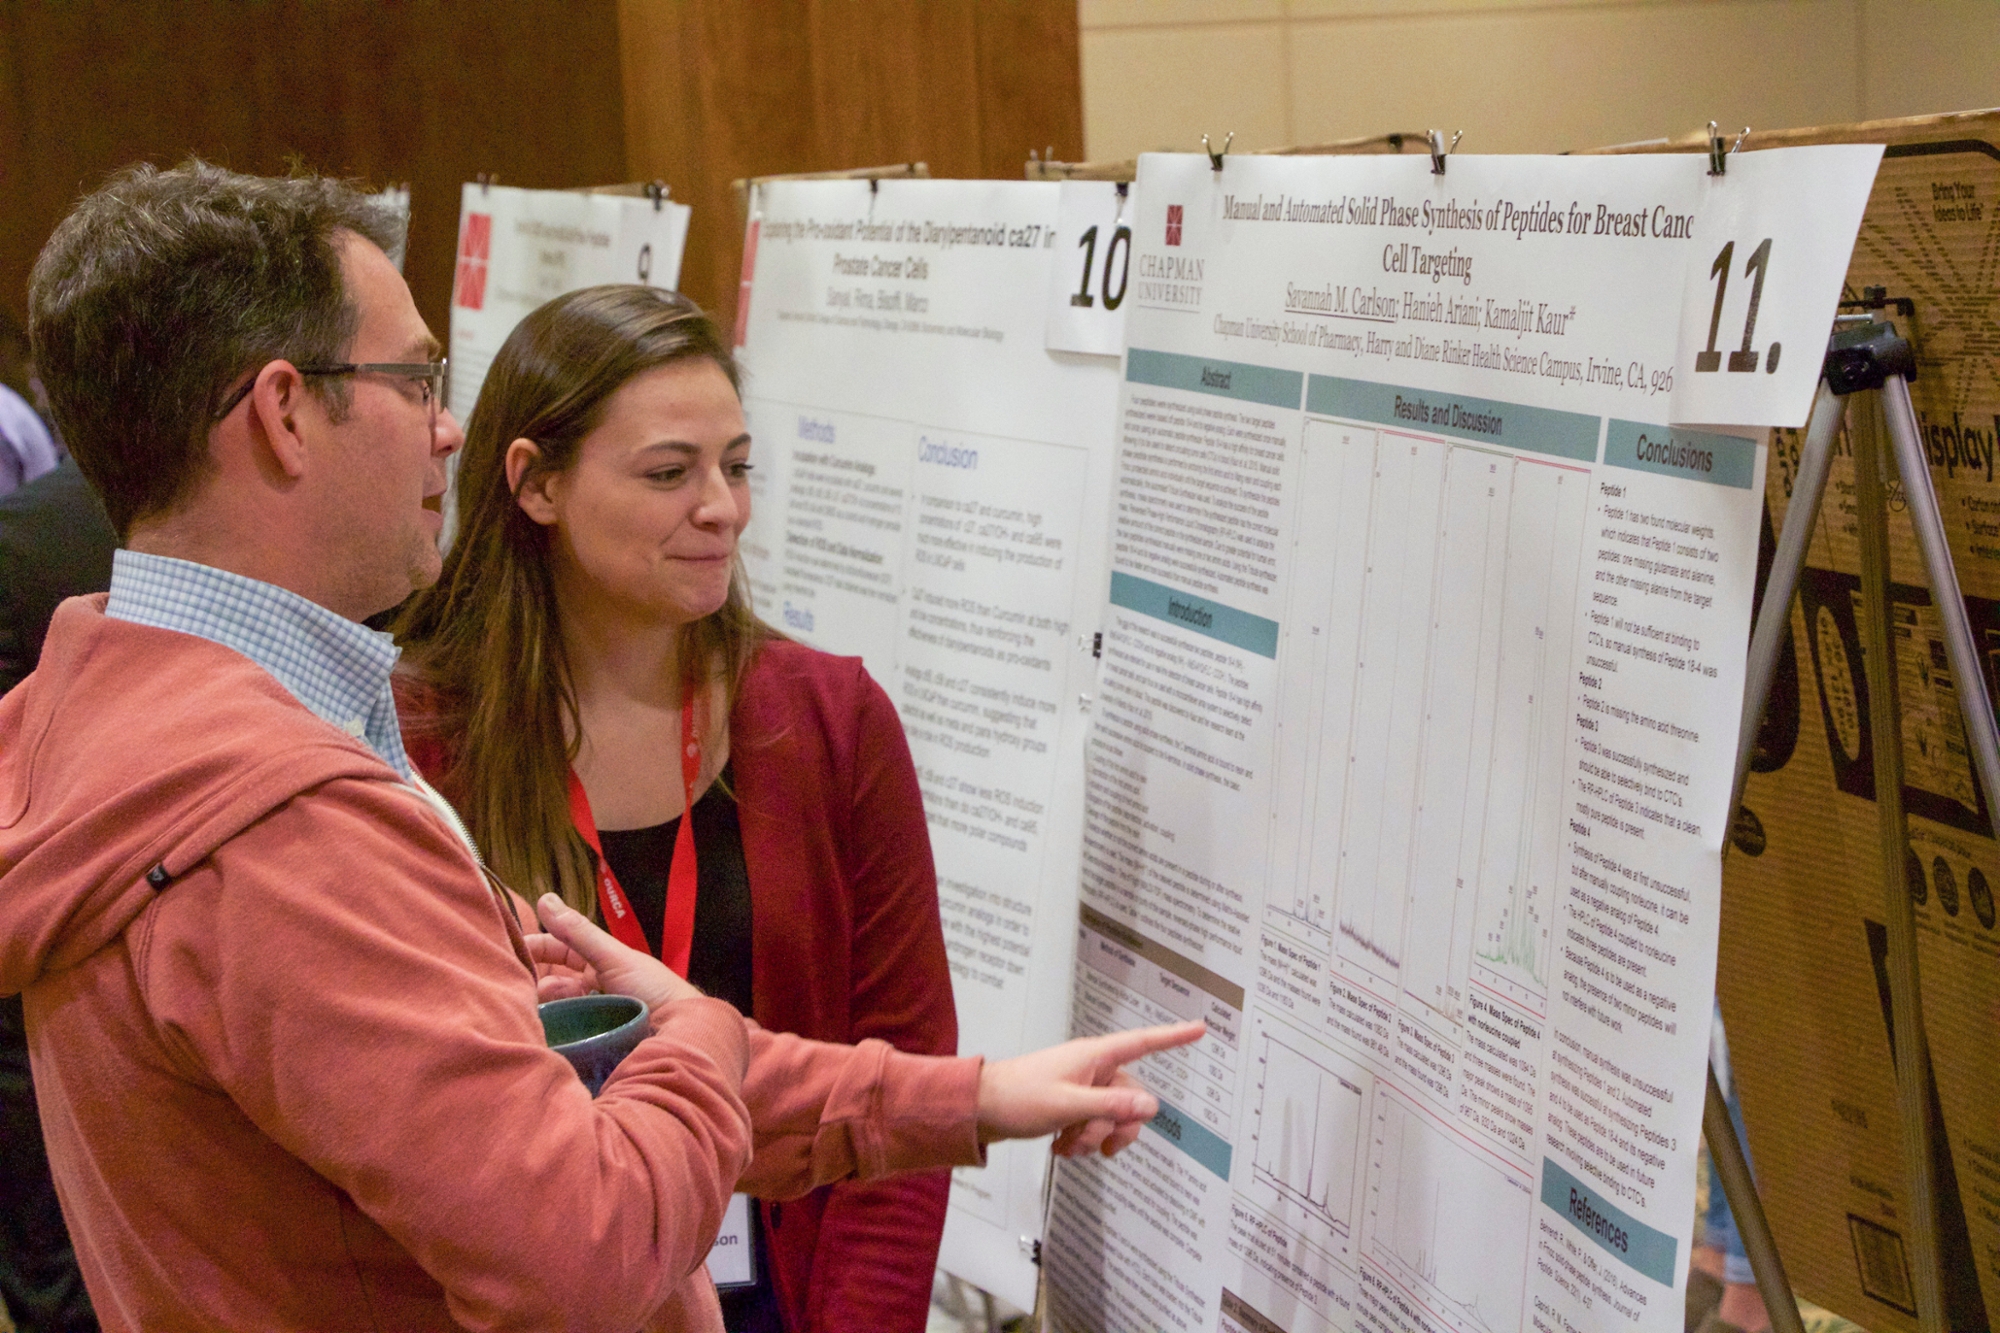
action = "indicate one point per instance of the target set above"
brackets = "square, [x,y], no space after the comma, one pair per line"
[1744,358]
[1118,254]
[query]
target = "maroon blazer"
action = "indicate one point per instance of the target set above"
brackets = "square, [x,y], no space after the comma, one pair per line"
[846,944]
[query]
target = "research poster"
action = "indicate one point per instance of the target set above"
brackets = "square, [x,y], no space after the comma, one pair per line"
[1422,664]
[929,493]
[520,248]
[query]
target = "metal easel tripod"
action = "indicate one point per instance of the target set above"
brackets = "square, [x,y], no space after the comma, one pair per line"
[1866,377]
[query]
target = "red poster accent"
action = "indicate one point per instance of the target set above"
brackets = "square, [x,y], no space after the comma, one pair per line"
[475,252]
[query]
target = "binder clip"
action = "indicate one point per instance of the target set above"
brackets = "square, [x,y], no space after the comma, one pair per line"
[1439,151]
[486,180]
[1124,191]
[1215,155]
[1718,156]
[656,190]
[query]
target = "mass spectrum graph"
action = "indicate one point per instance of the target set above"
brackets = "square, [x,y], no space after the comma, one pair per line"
[1427,660]
[1435,1205]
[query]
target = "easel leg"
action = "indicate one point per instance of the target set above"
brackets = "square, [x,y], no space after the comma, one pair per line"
[1767,640]
[1975,706]
[1885,724]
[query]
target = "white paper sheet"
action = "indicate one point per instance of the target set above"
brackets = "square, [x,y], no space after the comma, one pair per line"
[1775,231]
[930,492]
[1087,295]
[1422,669]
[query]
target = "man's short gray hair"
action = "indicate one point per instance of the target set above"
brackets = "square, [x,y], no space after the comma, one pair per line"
[162,291]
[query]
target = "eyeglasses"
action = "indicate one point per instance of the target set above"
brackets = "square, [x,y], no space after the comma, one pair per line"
[429,375]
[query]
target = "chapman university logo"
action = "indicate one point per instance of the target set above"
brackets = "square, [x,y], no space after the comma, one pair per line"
[1173,224]
[475,253]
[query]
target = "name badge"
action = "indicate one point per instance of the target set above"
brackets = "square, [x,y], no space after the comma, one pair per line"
[732,1263]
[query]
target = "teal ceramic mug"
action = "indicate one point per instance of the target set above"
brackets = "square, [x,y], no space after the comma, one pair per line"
[594,1033]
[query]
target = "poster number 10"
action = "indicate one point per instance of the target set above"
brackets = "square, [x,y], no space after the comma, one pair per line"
[1744,358]
[1118,255]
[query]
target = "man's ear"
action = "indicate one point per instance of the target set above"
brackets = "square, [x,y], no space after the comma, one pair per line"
[276,401]
[537,496]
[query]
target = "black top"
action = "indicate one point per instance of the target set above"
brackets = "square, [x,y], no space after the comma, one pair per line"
[719,962]
[55,542]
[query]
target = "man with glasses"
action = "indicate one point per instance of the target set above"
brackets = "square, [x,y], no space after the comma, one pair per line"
[283,1031]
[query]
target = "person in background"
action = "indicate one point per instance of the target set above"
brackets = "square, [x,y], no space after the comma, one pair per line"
[282,1020]
[55,542]
[592,606]
[1722,1290]
[28,448]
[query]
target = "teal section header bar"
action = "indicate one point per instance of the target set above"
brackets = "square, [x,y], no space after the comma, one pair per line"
[1632,1242]
[1193,1138]
[1539,430]
[1239,629]
[1226,379]
[1724,460]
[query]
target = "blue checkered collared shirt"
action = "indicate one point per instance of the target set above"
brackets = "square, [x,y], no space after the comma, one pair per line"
[338,669]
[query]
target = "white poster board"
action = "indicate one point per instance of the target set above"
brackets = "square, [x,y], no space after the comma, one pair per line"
[1422,669]
[929,494]
[396,199]
[519,248]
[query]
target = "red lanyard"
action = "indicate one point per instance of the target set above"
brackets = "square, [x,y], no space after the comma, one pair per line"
[677,932]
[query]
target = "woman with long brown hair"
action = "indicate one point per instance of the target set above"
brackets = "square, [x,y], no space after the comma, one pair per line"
[587,669]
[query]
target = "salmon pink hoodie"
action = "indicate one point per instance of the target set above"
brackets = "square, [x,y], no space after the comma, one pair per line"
[285,1043]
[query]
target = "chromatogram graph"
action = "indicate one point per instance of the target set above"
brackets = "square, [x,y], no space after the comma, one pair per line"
[1435,1207]
[1307,1120]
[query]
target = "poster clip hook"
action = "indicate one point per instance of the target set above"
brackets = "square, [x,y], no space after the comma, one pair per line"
[1718,156]
[1439,150]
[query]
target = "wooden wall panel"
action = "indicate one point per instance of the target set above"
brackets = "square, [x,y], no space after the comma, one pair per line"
[424,91]
[896,81]
[1030,76]
[549,93]
[717,90]
[705,90]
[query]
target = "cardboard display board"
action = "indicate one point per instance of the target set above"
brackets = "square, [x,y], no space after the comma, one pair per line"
[1802,984]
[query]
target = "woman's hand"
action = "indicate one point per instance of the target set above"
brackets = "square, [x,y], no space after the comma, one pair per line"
[1076,1091]
[577,957]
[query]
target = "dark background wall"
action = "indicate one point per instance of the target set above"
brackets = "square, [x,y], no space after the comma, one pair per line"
[415,92]
[717,90]
[542,93]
